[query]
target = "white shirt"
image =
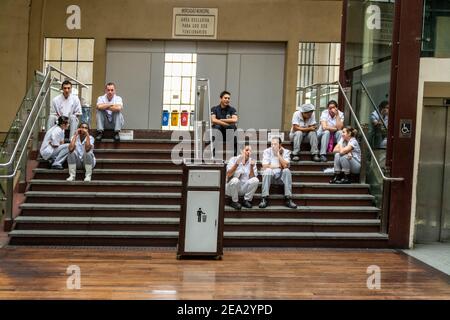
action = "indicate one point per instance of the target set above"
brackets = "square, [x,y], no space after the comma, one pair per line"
[79,146]
[297,119]
[270,158]
[325,116]
[52,139]
[375,117]
[115,100]
[356,151]
[66,107]
[242,172]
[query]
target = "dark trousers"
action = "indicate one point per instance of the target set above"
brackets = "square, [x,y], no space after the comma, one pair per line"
[224,130]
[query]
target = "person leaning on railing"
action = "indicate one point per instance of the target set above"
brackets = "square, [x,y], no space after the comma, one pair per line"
[347,157]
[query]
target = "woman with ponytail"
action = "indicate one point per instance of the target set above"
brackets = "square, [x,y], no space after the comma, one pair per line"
[347,157]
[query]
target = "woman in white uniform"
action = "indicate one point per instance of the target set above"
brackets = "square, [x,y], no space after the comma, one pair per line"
[347,157]
[53,147]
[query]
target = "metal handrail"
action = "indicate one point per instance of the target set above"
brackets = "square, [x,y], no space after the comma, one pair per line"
[22,134]
[365,138]
[65,74]
[373,103]
[16,167]
[316,85]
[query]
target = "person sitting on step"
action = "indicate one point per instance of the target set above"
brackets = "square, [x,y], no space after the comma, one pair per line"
[347,157]
[109,112]
[53,147]
[81,153]
[67,105]
[304,128]
[275,165]
[331,124]
[242,174]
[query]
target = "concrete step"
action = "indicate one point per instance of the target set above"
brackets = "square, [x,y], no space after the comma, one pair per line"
[175,198]
[170,238]
[172,224]
[175,186]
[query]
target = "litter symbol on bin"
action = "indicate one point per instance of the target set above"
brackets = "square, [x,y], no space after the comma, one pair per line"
[201,216]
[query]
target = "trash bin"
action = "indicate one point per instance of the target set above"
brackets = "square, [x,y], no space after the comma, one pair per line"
[202,211]
[174,118]
[184,118]
[165,118]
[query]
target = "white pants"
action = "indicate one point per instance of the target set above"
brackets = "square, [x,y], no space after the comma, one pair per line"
[236,188]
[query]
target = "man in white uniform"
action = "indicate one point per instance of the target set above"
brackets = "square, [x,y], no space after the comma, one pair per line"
[66,105]
[53,147]
[109,112]
[81,153]
[304,128]
[242,179]
[275,164]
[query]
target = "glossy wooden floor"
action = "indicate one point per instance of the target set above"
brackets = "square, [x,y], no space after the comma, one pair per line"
[40,273]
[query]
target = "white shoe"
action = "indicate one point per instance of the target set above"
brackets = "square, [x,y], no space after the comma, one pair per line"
[88,175]
[72,172]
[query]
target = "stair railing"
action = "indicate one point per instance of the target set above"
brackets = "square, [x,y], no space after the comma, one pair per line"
[23,135]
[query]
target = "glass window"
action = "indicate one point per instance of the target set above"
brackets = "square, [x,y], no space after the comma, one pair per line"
[74,57]
[179,89]
[436,23]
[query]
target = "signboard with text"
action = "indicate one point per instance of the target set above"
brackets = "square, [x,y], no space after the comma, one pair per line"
[194,23]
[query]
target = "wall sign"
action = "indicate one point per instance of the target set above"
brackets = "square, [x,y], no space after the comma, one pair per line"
[405,128]
[194,23]
[74,20]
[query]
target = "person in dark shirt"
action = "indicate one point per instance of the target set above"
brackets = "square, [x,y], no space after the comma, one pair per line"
[224,116]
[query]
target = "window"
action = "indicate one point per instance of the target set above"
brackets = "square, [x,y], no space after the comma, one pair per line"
[179,89]
[317,63]
[73,56]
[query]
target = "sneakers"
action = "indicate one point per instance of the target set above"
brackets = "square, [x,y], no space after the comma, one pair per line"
[247,204]
[336,178]
[315,158]
[235,205]
[116,136]
[99,136]
[295,157]
[263,204]
[289,203]
[323,158]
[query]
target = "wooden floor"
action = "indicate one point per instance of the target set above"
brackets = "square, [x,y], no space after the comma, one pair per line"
[133,273]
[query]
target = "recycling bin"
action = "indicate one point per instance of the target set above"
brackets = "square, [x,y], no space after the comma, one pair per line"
[165,118]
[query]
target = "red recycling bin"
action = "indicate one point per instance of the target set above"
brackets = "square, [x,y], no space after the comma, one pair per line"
[184,118]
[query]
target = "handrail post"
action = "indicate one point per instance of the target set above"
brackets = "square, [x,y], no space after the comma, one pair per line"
[385,206]
[9,194]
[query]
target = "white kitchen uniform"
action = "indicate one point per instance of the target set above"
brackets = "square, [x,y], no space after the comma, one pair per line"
[241,184]
[108,119]
[70,108]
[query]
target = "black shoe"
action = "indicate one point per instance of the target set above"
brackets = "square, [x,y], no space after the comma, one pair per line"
[235,205]
[57,167]
[336,178]
[323,158]
[247,204]
[99,136]
[116,136]
[264,203]
[344,180]
[315,158]
[289,203]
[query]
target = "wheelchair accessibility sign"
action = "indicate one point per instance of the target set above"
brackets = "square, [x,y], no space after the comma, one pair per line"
[405,128]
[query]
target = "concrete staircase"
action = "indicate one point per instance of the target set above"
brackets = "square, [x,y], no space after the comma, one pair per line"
[135,195]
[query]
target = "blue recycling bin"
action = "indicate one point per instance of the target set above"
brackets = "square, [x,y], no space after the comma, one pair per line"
[165,118]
